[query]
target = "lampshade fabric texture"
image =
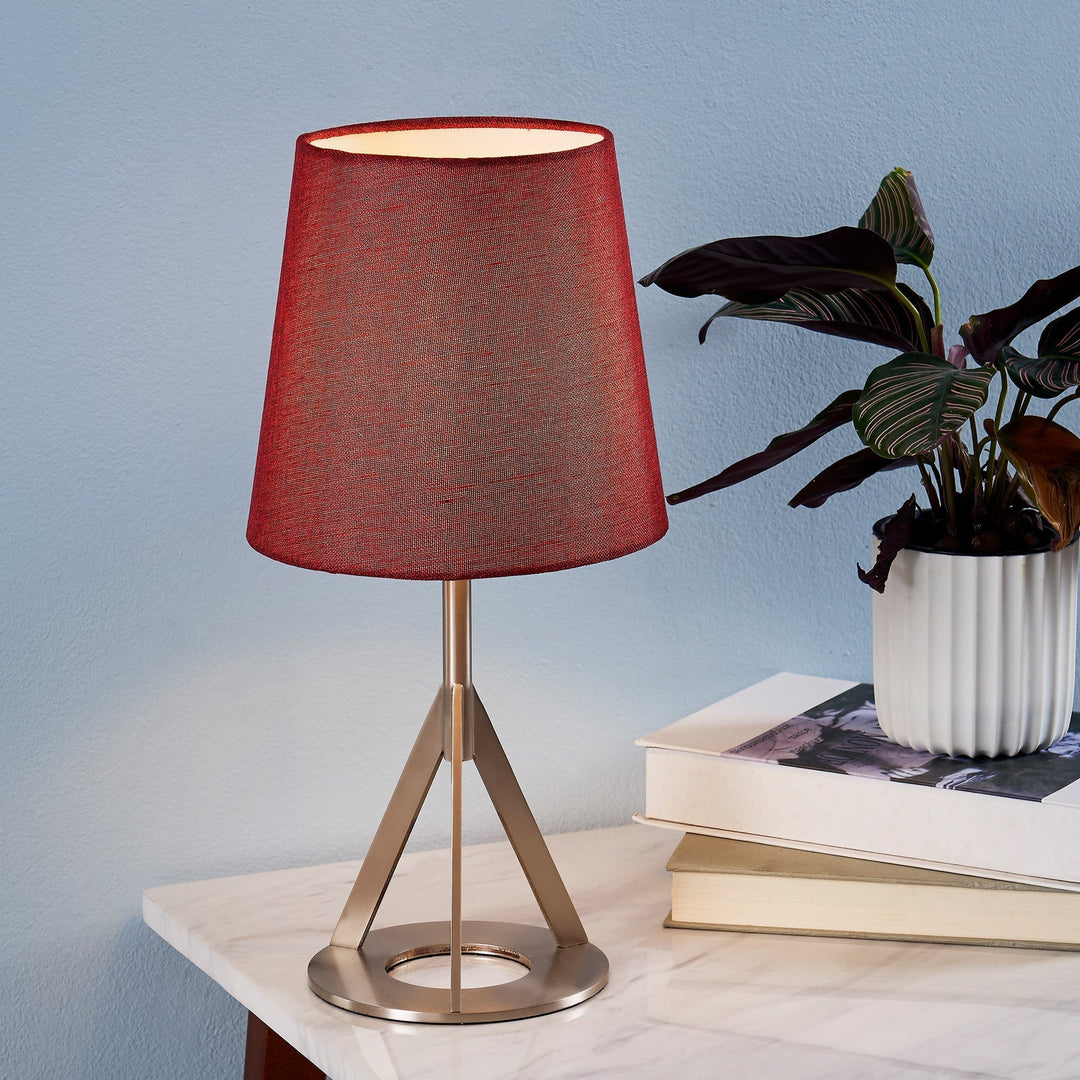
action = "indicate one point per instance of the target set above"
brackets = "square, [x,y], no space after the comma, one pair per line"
[456,385]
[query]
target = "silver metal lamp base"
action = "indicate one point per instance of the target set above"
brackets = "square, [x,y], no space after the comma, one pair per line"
[360,980]
[560,967]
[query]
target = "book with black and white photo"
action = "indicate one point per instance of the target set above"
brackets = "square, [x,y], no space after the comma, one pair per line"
[842,735]
[800,761]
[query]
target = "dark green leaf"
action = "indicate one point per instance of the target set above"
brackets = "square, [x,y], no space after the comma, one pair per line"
[1057,367]
[1041,376]
[986,335]
[896,212]
[912,403]
[757,269]
[894,539]
[780,449]
[845,474]
[865,315]
[1062,336]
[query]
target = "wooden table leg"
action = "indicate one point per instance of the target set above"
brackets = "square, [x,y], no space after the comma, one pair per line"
[270,1057]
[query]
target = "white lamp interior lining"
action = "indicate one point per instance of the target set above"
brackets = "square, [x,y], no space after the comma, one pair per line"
[463,142]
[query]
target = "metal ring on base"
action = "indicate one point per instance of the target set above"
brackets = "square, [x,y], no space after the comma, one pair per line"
[556,978]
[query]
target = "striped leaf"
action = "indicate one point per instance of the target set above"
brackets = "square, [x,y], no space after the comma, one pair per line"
[1057,367]
[1062,336]
[911,404]
[757,269]
[896,213]
[1041,376]
[862,314]
[1046,457]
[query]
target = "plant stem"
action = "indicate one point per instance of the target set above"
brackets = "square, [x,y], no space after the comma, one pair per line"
[1012,491]
[948,484]
[928,485]
[1020,405]
[934,288]
[975,440]
[998,499]
[965,463]
[991,461]
[1064,401]
[932,462]
[924,341]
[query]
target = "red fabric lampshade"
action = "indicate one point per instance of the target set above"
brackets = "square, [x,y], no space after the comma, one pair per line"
[456,385]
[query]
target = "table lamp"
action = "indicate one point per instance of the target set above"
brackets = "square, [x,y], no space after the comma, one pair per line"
[456,391]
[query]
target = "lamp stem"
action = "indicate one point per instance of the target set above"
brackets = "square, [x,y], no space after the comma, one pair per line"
[456,739]
[457,632]
[457,664]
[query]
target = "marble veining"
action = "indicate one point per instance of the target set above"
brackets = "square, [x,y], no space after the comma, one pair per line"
[680,1003]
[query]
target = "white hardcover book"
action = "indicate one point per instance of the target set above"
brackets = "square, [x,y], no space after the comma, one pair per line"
[799,761]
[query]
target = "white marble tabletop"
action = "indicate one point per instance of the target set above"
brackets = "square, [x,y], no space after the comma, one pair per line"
[680,1003]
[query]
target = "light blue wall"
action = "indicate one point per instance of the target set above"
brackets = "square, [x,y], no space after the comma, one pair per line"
[175,706]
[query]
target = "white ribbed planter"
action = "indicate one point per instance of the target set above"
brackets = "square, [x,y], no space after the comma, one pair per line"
[975,654]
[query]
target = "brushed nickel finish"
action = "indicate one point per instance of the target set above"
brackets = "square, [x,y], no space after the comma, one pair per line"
[393,833]
[457,735]
[561,967]
[553,978]
[457,660]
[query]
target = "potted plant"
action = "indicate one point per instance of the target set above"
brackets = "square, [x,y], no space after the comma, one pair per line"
[974,637]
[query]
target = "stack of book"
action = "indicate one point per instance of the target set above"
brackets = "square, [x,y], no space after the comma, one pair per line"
[800,817]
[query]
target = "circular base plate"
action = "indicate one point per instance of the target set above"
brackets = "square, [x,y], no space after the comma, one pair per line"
[359,979]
